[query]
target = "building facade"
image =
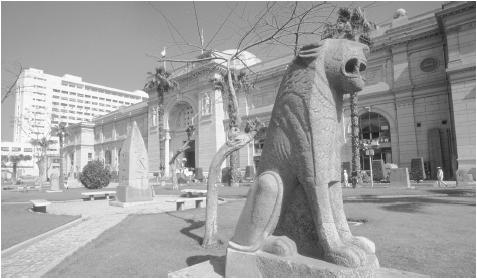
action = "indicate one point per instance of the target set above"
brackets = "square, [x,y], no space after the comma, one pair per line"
[27,167]
[419,101]
[43,101]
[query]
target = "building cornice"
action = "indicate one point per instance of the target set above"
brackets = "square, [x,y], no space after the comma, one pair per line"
[122,113]
[391,42]
[455,10]
[464,71]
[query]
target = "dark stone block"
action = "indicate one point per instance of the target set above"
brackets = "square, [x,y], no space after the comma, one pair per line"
[199,174]
[249,173]
[378,170]
[225,175]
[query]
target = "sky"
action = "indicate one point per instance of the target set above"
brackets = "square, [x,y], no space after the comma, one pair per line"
[112,43]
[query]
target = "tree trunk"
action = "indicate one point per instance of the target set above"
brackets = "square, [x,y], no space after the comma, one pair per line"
[234,123]
[233,144]
[160,116]
[172,164]
[210,235]
[172,167]
[234,170]
[61,178]
[40,165]
[45,166]
[14,173]
[355,164]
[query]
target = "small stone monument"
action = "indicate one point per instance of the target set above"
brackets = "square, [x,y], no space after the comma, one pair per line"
[133,171]
[54,182]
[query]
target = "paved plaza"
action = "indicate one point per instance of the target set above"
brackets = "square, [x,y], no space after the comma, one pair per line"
[97,216]
[38,257]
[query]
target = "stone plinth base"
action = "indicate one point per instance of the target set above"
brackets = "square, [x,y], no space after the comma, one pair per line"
[262,264]
[215,268]
[399,178]
[129,194]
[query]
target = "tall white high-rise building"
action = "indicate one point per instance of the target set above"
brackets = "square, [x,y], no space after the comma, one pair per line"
[42,101]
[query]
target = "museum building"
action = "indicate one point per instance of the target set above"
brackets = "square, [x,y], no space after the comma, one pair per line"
[419,101]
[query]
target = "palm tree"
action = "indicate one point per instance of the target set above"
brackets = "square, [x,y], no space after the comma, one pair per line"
[61,133]
[352,25]
[160,82]
[42,163]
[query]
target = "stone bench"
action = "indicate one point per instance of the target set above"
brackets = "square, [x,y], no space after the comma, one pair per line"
[180,202]
[40,205]
[91,195]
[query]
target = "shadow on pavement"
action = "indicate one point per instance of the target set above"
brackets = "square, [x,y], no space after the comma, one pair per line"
[455,192]
[193,225]
[408,204]
[217,262]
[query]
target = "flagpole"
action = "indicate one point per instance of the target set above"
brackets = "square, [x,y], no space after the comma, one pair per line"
[163,54]
[202,40]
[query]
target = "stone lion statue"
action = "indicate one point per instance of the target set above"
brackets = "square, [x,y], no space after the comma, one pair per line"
[296,204]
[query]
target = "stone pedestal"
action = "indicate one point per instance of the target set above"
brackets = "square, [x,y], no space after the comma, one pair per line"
[130,194]
[215,268]
[261,264]
[54,182]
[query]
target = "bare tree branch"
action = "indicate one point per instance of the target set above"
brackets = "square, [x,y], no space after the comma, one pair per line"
[267,9]
[221,25]
[197,23]
[9,90]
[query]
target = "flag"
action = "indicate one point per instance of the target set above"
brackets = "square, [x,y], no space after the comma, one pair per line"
[202,38]
[163,52]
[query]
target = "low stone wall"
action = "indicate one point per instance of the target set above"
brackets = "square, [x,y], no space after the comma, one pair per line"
[399,178]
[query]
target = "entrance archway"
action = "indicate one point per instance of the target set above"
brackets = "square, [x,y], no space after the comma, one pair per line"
[375,127]
[180,117]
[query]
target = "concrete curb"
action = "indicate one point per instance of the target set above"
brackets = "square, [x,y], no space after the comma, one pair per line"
[393,196]
[46,268]
[9,251]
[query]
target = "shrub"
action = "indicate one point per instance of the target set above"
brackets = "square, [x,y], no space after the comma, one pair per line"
[95,175]
[365,176]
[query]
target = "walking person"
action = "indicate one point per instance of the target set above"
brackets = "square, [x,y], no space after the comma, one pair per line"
[440,178]
[345,179]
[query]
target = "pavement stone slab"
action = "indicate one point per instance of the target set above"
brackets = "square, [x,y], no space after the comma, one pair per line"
[41,256]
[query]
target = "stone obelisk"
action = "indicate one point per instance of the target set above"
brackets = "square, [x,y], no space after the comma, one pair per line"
[133,170]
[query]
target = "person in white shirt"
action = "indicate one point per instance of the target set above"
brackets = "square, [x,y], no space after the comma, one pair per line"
[345,178]
[440,177]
